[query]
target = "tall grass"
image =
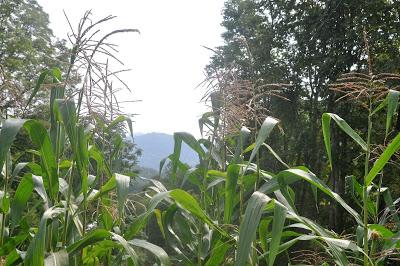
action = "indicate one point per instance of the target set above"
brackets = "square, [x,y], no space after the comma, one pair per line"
[68,207]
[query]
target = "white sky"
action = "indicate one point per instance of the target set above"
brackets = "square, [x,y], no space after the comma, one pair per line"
[166,59]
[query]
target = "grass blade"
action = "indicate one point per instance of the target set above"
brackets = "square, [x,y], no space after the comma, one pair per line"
[326,130]
[160,253]
[265,131]
[392,102]
[248,228]
[313,180]
[383,159]
[20,199]
[277,227]
[230,191]
[123,182]
[36,249]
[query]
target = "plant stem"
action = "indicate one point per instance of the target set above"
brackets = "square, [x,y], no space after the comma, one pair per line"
[365,187]
[3,216]
[68,204]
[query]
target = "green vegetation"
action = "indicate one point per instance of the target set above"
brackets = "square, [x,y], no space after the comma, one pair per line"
[297,159]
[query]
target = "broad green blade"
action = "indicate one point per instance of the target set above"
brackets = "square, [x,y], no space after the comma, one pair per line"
[39,137]
[39,83]
[107,187]
[190,204]
[314,181]
[123,182]
[161,255]
[277,227]
[140,222]
[191,142]
[217,256]
[265,131]
[392,102]
[275,155]
[383,159]
[230,191]
[9,130]
[36,249]
[98,235]
[248,227]
[241,143]
[326,130]
[391,206]
[128,249]
[89,239]
[118,120]
[20,199]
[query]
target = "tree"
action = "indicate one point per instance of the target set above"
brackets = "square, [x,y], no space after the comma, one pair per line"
[308,44]
[27,46]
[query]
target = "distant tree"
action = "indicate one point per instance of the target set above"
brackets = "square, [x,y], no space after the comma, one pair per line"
[27,46]
[308,44]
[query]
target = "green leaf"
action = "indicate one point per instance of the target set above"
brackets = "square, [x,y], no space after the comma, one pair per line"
[21,197]
[230,191]
[275,155]
[39,83]
[390,205]
[218,253]
[326,130]
[248,227]
[392,101]
[120,119]
[98,235]
[36,249]
[265,130]
[123,182]
[9,130]
[383,231]
[187,202]
[383,159]
[241,142]
[39,188]
[313,180]
[191,142]
[107,187]
[89,239]
[39,137]
[277,227]
[140,222]
[161,255]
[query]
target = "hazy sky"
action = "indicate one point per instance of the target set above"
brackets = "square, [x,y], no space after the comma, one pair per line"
[166,59]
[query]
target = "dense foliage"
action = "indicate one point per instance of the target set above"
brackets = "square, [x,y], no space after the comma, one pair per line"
[283,164]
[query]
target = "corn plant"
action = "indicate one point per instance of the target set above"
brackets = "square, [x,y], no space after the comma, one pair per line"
[66,206]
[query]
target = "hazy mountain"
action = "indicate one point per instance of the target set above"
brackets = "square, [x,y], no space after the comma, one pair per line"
[157,146]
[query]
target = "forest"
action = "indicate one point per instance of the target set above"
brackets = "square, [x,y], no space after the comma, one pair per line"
[298,154]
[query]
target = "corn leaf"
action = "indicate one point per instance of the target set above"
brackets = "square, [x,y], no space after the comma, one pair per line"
[230,191]
[123,182]
[326,130]
[36,249]
[248,227]
[383,159]
[392,102]
[160,253]
[265,130]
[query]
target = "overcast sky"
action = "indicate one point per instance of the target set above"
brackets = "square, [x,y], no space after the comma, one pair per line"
[167,59]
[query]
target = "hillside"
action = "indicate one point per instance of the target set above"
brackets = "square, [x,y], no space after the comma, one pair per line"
[157,146]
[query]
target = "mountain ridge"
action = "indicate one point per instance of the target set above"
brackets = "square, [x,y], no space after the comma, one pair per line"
[156,146]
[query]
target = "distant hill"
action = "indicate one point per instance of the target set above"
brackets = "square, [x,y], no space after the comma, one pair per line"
[157,146]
